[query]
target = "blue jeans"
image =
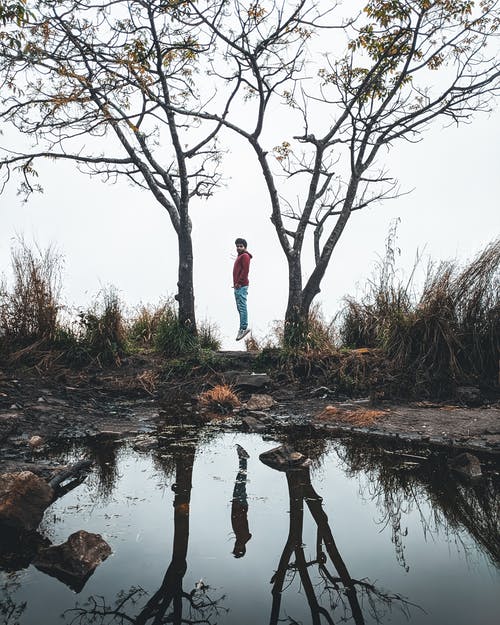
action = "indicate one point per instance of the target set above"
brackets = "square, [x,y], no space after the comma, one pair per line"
[241,304]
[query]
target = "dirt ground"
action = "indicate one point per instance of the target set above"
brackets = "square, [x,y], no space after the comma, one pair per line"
[126,402]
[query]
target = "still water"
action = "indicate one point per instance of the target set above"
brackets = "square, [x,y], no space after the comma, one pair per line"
[200,536]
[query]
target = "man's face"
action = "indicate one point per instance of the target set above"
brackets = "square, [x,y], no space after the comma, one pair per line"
[240,248]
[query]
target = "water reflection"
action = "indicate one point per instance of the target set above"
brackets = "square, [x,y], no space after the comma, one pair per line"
[316,574]
[170,601]
[342,590]
[239,506]
[104,454]
[397,480]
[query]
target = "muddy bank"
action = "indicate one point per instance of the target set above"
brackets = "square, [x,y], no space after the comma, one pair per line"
[36,411]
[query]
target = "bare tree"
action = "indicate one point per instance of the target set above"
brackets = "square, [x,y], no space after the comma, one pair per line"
[94,82]
[400,67]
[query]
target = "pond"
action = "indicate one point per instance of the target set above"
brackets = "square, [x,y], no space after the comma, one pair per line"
[199,535]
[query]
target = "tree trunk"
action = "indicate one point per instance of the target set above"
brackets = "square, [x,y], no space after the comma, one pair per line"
[293,318]
[185,293]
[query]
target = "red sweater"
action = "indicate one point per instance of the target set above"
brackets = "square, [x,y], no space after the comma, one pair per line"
[240,269]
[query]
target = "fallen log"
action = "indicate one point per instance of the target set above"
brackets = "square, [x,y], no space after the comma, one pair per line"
[82,467]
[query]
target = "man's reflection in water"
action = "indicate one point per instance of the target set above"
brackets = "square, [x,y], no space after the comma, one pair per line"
[239,506]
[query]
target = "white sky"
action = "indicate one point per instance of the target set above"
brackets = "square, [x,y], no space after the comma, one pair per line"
[118,235]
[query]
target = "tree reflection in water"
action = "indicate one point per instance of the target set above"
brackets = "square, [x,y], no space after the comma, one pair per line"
[10,610]
[332,594]
[167,604]
[399,481]
[104,454]
[344,593]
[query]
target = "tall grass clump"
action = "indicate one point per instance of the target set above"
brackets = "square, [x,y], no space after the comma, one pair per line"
[143,326]
[313,336]
[208,336]
[103,334]
[173,339]
[29,309]
[158,327]
[446,335]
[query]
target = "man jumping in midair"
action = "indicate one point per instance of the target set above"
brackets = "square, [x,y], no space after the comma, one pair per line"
[240,285]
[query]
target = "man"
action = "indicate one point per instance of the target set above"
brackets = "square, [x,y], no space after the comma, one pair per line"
[240,285]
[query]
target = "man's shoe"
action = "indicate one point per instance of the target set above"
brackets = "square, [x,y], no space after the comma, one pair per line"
[242,333]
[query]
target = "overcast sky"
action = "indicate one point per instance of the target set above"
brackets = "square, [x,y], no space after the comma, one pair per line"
[118,235]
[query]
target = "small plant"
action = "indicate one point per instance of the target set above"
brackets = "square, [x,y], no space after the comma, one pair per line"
[221,399]
[208,336]
[103,333]
[314,335]
[251,344]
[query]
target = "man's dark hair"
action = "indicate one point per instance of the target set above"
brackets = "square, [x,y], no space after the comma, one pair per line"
[240,242]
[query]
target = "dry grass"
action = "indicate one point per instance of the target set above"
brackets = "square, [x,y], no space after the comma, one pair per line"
[251,343]
[449,334]
[148,380]
[360,417]
[220,399]
[29,309]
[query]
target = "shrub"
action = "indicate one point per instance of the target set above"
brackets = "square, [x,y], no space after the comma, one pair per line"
[208,336]
[316,335]
[144,325]
[29,311]
[220,398]
[103,332]
[172,339]
[447,335]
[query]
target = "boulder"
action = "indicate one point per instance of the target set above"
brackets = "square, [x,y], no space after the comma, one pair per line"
[251,381]
[285,458]
[74,561]
[467,465]
[260,402]
[24,498]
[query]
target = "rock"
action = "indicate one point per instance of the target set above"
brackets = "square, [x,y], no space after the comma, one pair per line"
[260,402]
[251,381]
[263,417]
[74,561]
[35,441]
[24,498]
[253,425]
[466,464]
[284,458]
[469,395]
